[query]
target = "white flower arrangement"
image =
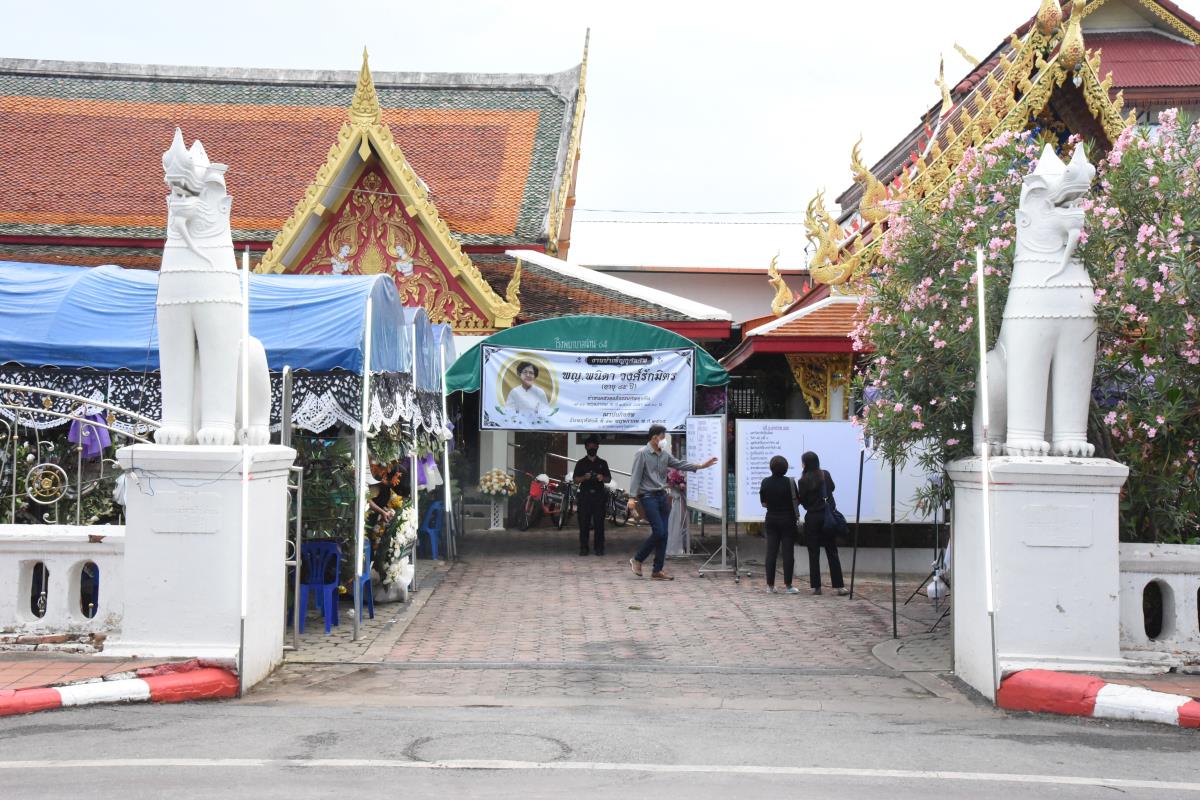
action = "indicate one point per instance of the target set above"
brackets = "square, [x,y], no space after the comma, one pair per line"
[497,483]
[402,539]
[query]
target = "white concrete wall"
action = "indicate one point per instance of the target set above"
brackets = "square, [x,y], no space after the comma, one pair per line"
[745,296]
[1176,568]
[64,549]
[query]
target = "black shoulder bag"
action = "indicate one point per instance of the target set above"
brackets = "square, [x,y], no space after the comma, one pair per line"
[835,522]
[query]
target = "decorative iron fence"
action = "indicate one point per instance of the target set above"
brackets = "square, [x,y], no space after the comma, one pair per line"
[55,455]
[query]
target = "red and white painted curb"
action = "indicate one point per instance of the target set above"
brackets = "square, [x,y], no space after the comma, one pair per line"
[1085,696]
[170,683]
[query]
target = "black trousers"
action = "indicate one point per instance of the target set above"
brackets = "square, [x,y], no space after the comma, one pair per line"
[592,507]
[781,532]
[816,537]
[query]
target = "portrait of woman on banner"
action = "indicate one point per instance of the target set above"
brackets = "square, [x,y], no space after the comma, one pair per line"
[527,398]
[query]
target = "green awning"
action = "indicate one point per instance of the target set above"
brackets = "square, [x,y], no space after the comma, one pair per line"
[584,332]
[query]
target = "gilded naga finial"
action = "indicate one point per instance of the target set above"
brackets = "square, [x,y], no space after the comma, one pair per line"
[825,234]
[512,295]
[364,108]
[873,205]
[970,59]
[947,100]
[783,295]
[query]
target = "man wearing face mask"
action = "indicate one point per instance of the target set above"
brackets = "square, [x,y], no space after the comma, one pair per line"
[648,483]
[591,473]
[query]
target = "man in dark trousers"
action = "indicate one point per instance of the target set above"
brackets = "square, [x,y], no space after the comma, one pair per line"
[591,473]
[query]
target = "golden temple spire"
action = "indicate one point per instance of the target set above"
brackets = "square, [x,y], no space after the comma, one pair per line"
[364,108]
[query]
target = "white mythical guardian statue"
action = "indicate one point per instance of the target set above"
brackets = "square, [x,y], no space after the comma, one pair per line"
[1040,372]
[200,313]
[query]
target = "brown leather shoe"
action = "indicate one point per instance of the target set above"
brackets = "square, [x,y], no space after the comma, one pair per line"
[636,566]
[661,576]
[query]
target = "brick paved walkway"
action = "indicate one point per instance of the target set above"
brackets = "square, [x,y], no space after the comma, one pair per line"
[376,637]
[529,598]
[522,618]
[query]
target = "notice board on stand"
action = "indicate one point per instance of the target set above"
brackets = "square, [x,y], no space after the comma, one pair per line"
[835,442]
[706,487]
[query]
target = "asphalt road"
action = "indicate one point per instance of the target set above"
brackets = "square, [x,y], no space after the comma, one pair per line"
[276,748]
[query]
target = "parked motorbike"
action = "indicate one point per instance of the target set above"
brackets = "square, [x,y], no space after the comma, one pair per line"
[545,499]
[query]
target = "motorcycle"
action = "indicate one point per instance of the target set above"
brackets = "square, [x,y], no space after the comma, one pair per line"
[546,498]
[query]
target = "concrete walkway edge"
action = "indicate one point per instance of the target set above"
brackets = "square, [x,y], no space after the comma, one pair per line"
[179,684]
[1086,696]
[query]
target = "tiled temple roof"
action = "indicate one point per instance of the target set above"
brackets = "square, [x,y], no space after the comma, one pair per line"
[80,144]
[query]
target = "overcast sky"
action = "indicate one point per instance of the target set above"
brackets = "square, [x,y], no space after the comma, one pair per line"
[738,107]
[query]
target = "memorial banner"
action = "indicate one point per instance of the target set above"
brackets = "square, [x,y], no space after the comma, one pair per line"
[553,390]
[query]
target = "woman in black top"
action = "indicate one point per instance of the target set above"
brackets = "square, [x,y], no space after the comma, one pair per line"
[815,485]
[778,497]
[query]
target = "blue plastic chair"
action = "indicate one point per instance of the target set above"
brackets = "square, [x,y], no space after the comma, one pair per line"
[364,582]
[432,527]
[322,563]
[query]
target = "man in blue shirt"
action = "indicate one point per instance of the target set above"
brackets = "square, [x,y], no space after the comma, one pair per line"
[648,484]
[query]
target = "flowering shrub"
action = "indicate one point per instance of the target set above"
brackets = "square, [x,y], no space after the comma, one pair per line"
[497,483]
[1142,250]
[1140,247]
[919,311]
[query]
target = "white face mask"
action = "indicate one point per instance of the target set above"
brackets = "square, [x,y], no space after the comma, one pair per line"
[665,444]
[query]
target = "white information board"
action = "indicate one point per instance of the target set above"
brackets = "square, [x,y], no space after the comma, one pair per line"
[706,487]
[835,443]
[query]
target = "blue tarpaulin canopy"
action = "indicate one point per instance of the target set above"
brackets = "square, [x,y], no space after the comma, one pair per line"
[428,377]
[104,318]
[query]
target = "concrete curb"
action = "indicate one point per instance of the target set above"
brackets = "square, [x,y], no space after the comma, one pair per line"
[173,683]
[1085,696]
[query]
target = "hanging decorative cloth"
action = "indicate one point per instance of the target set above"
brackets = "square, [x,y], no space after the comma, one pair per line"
[91,438]
[429,477]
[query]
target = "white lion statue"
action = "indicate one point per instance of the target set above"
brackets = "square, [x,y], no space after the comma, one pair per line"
[200,313]
[1040,372]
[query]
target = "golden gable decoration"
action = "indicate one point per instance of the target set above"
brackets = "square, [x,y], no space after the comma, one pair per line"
[366,137]
[1017,88]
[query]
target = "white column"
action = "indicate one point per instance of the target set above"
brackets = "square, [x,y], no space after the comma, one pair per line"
[1055,564]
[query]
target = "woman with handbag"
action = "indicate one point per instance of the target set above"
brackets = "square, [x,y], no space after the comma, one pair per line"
[778,496]
[820,522]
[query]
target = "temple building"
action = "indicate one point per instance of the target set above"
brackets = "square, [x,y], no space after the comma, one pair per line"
[1087,69]
[460,186]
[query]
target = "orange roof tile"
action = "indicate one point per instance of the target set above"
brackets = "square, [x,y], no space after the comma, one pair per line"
[491,148]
